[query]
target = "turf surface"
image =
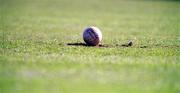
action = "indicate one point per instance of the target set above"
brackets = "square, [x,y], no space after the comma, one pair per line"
[35,55]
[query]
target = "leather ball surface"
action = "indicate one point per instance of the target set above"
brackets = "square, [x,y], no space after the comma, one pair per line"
[92,36]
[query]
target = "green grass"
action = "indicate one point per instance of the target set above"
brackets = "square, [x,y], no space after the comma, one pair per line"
[35,57]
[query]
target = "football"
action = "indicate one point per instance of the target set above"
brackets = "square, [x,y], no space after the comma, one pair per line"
[92,36]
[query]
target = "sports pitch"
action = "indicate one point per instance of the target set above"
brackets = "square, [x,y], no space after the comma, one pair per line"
[42,50]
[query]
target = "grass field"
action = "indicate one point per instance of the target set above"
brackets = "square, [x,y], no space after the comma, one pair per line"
[35,57]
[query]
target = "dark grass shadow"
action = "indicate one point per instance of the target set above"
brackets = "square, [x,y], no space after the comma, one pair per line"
[85,45]
[130,45]
[167,46]
[100,45]
[77,44]
[159,46]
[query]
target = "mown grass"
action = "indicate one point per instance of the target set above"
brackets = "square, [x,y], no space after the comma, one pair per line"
[35,57]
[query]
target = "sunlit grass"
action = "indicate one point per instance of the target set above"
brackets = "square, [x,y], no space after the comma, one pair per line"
[35,57]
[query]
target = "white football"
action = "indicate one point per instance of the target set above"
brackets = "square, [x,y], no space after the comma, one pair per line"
[92,36]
